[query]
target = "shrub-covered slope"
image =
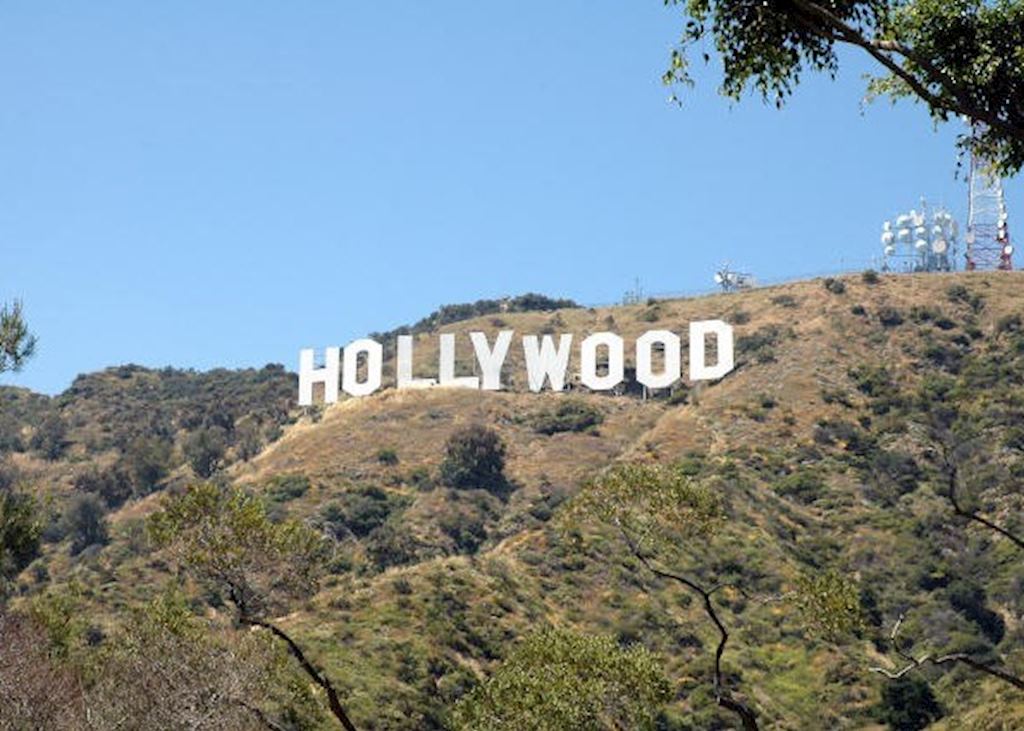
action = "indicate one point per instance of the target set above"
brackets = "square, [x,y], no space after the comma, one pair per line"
[829,446]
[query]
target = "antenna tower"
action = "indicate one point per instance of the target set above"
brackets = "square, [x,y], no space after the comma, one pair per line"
[922,240]
[988,231]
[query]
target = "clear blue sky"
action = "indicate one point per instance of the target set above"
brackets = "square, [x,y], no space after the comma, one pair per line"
[220,184]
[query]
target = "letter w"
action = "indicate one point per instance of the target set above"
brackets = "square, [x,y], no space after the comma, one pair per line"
[543,361]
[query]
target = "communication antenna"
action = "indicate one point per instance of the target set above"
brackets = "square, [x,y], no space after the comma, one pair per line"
[633,296]
[730,280]
[988,231]
[922,240]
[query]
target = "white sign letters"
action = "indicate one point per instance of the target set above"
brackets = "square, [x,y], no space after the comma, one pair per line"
[602,362]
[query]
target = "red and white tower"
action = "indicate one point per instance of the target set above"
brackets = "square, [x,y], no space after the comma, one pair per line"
[988,230]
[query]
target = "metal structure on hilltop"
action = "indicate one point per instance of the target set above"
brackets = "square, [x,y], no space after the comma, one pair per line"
[731,281]
[988,231]
[922,240]
[634,296]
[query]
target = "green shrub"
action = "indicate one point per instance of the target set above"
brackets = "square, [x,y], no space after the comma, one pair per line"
[958,293]
[895,474]
[571,414]
[889,316]
[760,344]
[785,300]
[390,546]
[359,512]
[870,276]
[908,704]
[680,395]
[835,286]
[147,460]
[113,485]
[20,532]
[85,523]
[50,437]
[387,456]
[467,530]
[475,459]
[803,486]
[205,449]
[282,488]
[421,479]
[969,599]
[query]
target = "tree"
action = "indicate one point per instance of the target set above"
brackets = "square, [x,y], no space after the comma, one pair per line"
[17,344]
[85,522]
[557,679]
[205,449]
[147,460]
[50,437]
[654,509]
[958,57]
[112,484]
[225,538]
[475,459]
[19,534]
[248,439]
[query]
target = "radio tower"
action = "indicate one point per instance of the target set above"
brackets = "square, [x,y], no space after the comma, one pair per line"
[988,232]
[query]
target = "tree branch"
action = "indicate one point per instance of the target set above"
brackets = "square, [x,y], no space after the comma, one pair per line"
[747,715]
[959,102]
[952,480]
[318,677]
[949,659]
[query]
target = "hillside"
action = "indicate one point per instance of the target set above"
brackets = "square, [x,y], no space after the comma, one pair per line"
[817,444]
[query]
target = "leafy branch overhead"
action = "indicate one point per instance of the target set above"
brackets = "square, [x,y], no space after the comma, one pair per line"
[961,58]
[17,344]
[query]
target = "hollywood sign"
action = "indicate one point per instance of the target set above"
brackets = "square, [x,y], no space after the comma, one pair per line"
[358,368]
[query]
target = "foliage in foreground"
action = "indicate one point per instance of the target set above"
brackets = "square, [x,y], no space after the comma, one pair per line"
[958,57]
[557,680]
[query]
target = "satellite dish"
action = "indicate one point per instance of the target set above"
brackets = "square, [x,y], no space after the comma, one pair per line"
[937,230]
[903,234]
[920,244]
[887,226]
[719,278]
[890,250]
[1008,249]
[902,220]
[920,232]
[939,246]
[970,237]
[887,238]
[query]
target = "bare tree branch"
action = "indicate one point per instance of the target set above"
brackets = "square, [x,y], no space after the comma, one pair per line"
[912,663]
[747,715]
[318,677]
[952,473]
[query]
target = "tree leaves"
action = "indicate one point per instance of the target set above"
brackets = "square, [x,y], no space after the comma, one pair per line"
[958,57]
[558,679]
